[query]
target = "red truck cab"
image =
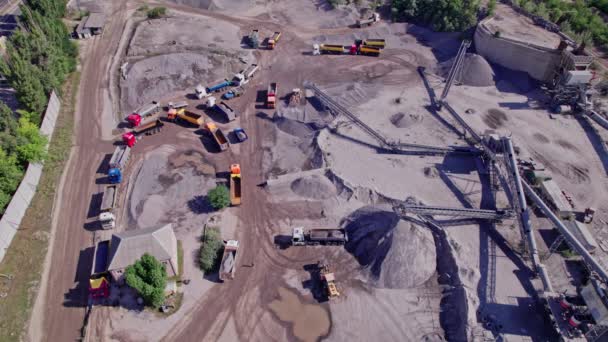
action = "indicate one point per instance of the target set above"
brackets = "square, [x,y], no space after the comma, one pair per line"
[129,139]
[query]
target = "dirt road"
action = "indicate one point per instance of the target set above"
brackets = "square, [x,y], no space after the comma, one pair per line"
[62,299]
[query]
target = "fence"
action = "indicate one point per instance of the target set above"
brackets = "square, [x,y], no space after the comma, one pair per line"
[15,210]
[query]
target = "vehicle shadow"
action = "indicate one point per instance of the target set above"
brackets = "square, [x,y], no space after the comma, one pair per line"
[314,284]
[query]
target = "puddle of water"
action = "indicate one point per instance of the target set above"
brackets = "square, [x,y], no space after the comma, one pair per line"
[308,321]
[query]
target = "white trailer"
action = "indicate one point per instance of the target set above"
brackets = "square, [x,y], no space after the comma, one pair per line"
[108,203]
[120,157]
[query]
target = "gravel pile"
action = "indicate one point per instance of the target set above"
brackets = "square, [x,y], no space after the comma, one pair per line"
[315,186]
[295,128]
[395,253]
[476,71]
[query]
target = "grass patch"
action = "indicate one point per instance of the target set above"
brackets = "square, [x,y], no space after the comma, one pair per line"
[180,262]
[25,258]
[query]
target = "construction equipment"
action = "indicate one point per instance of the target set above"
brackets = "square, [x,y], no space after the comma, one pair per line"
[455,71]
[229,257]
[374,18]
[144,114]
[200,92]
[108,202]
[271,95]
[232,93]
[314,237]
[328,280]
[218,136]
[296,97]
[493,215]
[218,87]
[225,109]
[253,39]
[377,43]
[177,105]
[355,49]
[385,145]
[235,184]
[245,76]
[118,162]
[272,41]
[240,134]
[130,138]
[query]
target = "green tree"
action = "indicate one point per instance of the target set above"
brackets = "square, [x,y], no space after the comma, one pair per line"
[441,15]
[219,197]
[10,176]
[491,7]
[148,277]
[541,11]
[156,12]
[530,7]
[32,144]
[211,245]
[8,120]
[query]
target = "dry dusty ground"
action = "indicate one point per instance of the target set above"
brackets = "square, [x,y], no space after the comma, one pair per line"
[399,280]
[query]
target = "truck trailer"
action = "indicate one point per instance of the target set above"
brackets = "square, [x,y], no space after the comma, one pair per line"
[271,95]
[225,109]
[235,184]
[368,51]
[219,87]
[313,237]
[130,138]
[218,136]
[245,76]
[118,163]
[144,115]
[177,105]
[334,49]
[228,263]
[108,203]
[377,43]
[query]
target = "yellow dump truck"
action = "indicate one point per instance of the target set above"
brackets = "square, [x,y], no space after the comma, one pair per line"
[377,43]
[369,51]
[235,184]
[328,49]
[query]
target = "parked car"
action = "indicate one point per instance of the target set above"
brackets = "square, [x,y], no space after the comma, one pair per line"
[240,134]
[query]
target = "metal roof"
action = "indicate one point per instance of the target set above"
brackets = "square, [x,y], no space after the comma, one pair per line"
[95,20]
[129,246]
[556,196]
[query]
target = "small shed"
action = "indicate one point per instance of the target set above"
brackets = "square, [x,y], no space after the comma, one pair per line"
[90,25]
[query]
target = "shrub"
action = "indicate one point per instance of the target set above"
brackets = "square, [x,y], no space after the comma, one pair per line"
[211,245]
[219,197]
[148,277]
[156,12]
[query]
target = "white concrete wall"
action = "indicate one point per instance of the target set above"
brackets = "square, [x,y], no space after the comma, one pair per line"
[25,192]
[539,62]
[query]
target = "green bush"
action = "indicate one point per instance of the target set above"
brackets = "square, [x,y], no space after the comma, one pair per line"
[211,246]
[219,197]
[156,12]
[452,15]
[491,7]
[148,277]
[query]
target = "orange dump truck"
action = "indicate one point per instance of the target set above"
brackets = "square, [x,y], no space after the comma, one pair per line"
[235,184]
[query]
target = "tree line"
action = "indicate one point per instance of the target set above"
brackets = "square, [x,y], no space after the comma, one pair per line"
[39,56]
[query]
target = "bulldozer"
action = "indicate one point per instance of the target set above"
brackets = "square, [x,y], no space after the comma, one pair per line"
[328,281]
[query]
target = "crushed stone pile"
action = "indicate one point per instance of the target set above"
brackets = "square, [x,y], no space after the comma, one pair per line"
[314,186]
[295,128]
[395,253]
[476,71]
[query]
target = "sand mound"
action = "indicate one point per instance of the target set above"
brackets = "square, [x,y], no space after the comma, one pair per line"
[403,120]
[315,186]
[395,253]
[476,71]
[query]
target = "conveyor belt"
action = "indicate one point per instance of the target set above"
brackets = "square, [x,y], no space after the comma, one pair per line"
[453,212]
